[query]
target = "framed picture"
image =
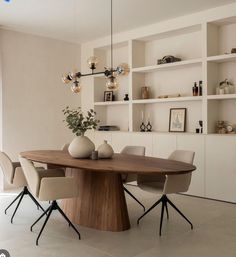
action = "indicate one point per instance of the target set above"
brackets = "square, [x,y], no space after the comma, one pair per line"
[108,96]
[177,120]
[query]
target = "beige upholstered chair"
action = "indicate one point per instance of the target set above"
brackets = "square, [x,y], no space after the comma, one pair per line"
[126,178]
[14,175]
[53,166]
[49,188]
[170,184]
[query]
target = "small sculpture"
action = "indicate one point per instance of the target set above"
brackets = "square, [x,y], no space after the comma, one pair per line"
[149,127]
[168,59]
[142,127]
[225,87]
[233,50]
[126,98]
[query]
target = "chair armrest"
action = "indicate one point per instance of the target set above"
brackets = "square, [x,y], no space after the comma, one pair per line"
[54,188]
[16,164]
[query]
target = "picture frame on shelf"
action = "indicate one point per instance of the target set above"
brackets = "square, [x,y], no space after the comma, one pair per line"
[177,120]
[108,96]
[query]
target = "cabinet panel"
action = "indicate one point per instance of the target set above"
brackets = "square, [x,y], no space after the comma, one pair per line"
[142,139]
[163,145]
[221,167]
[120,140]
[195,143]
[100,136]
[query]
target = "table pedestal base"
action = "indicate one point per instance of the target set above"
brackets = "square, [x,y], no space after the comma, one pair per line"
[101,203]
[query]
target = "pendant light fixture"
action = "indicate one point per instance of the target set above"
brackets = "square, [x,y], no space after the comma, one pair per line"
[111,74]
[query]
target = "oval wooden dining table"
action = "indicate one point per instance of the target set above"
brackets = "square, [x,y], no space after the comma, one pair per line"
[101,203]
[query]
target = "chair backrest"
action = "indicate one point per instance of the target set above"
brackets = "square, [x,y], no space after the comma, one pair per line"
[172,183]
[7,167]
[182,156]
[134,150]
[31,175]
[65,147]
[179,183]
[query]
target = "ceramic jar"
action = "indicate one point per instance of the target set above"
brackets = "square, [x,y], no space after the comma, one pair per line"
[81,147]
[105,151]
[144,92]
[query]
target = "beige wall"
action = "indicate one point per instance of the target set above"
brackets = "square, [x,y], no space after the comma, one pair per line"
[32,92]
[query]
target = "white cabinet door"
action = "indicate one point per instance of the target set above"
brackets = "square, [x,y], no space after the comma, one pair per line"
[120,140]
[221,167]
[163,145]
[142,139]
[195,143]
[100,136]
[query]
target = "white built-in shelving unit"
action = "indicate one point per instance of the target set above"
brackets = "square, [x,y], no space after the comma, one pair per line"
[205,52]
[203,41]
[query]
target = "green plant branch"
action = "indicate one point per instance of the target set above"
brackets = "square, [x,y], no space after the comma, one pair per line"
[78,122]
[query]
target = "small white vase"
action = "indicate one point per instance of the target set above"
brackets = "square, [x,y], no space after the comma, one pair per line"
[81,147]
[105,151]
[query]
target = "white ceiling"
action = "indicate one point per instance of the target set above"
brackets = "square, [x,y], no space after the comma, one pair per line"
[84,20]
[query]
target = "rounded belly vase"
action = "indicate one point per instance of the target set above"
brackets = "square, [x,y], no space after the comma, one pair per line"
[81,147]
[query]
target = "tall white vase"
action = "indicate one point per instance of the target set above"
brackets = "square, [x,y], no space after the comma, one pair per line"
[81,147]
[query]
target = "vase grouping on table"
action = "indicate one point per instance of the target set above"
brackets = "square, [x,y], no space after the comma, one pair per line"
[82,147]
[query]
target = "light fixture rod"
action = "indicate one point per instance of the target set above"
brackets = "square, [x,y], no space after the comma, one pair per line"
[111,34]
[93,73]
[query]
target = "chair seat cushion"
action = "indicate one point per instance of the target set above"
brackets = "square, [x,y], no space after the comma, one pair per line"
[152,187]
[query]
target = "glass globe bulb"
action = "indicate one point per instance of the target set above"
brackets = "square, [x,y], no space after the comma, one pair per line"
[72,75]
[76,88]
[112,83]
[65,79]
[92,62]
[123,69]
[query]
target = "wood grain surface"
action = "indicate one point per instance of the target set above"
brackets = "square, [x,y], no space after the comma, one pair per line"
[120,163]
[101,203]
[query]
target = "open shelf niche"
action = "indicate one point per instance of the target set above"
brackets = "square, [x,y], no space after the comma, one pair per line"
[221,65]
[205,52]
[115,112]
[158,114]
[184,43]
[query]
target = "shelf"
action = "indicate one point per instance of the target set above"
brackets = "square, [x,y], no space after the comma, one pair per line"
[165,100]
[169,133]
[217,134]
[111,103]
[167,66]
[221,97]
[222,58]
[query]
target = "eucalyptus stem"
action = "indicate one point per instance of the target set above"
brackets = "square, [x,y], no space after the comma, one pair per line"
[79,122]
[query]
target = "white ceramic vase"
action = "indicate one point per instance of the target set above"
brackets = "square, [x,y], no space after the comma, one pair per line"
[81,147]
[105,151]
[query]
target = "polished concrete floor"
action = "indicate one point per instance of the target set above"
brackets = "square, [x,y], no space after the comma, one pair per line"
[214,232]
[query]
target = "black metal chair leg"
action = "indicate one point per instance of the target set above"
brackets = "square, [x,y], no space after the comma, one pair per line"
[35,201]
[180,213]
[44,224]
[153,206]
[22,195]
[167,212]
[45,213]
[67,219]
[19,195]
[162,214]
[129,193]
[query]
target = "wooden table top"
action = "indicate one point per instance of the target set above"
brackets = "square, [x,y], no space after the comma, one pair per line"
[120,163]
